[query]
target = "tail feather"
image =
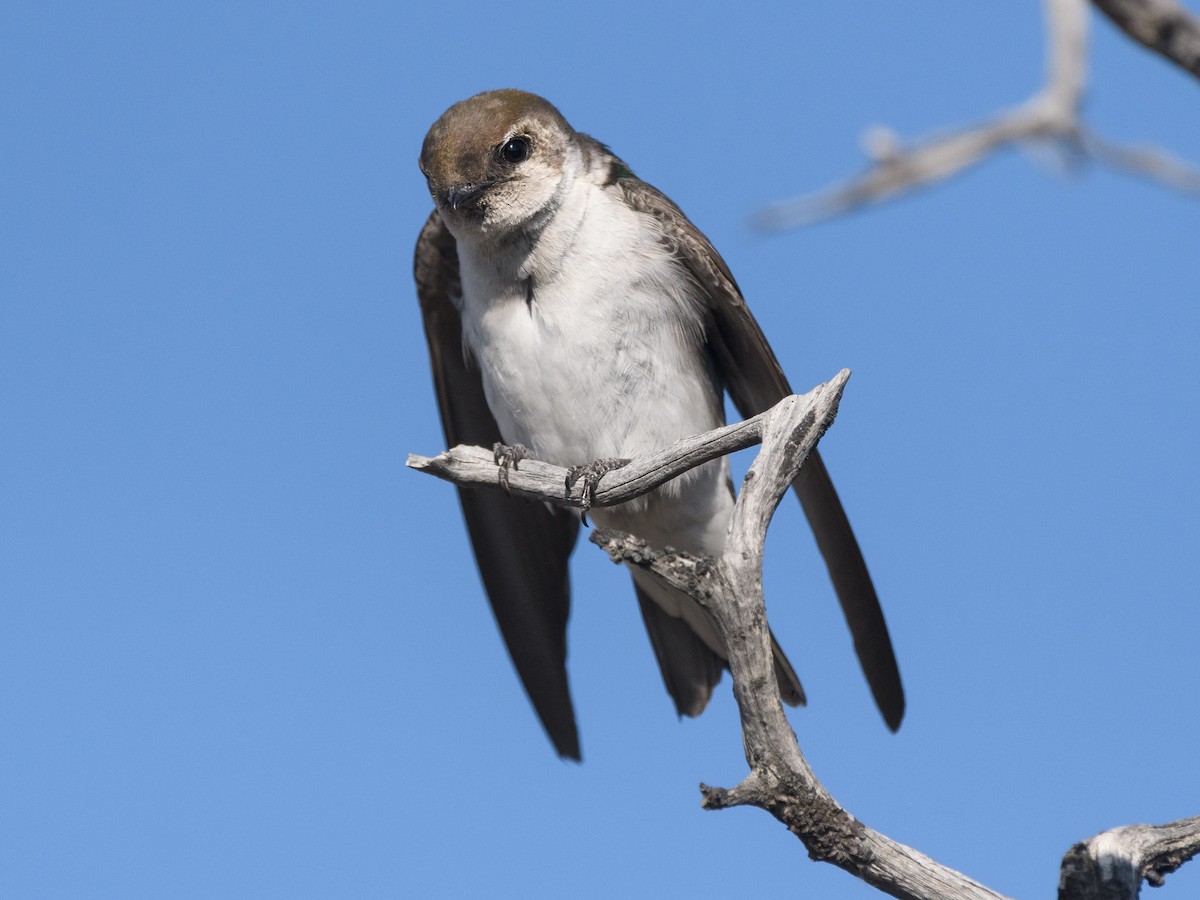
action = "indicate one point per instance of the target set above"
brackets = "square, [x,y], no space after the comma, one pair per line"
[690,666]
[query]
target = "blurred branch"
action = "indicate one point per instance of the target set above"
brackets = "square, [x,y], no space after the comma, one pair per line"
[1112,865]
[1050,117]
[1160,25]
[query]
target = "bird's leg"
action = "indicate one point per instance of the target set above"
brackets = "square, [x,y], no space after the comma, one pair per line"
[505,456]
[591,475]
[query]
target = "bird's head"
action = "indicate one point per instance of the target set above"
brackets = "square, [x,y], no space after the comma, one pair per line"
[495,160]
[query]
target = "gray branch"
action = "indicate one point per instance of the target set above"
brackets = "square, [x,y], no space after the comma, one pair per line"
[535,480]
[1112,865]
[730,588]
[1160,25]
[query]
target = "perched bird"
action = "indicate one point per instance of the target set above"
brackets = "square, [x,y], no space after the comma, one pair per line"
[573,312]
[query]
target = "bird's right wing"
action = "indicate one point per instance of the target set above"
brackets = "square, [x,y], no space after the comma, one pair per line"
[522,548]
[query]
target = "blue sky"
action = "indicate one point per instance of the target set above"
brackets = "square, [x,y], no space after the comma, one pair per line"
[244,652]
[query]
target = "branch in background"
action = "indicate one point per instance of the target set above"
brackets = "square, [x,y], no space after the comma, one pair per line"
[1052,116]
[1113,864]
[1160,25]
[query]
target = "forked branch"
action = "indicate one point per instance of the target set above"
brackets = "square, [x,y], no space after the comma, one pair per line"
[730,588]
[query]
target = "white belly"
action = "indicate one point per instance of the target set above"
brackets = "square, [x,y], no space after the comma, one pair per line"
[580,384]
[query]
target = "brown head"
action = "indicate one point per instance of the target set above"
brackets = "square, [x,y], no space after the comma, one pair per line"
[495,159]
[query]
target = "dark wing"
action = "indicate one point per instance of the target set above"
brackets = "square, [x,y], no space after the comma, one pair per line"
[521,547]
[755,382]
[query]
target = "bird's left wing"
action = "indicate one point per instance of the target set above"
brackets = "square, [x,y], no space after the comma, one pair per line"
[522,548]
[755,381]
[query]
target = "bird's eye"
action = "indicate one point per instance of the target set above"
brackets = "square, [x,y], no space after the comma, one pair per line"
[515,150]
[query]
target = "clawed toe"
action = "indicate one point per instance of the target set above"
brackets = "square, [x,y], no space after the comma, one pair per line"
[505,456]
[591,475]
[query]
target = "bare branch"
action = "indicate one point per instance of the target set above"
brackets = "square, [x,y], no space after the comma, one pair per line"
[899,169]
[1160,25]
[536,480]
[1111,865]
[1050,116]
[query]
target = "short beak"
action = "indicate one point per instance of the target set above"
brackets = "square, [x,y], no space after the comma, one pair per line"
[462,194]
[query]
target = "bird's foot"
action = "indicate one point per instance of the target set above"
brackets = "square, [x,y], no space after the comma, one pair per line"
[591,475]
[506,456]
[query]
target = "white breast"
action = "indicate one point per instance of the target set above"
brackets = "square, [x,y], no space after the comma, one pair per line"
[606,357]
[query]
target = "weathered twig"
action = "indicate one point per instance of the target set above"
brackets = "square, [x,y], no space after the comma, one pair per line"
[1160,25]
[1111,865]
[536,480]
[1052,116]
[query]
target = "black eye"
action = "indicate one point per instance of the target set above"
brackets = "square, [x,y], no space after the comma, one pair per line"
[515,150]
